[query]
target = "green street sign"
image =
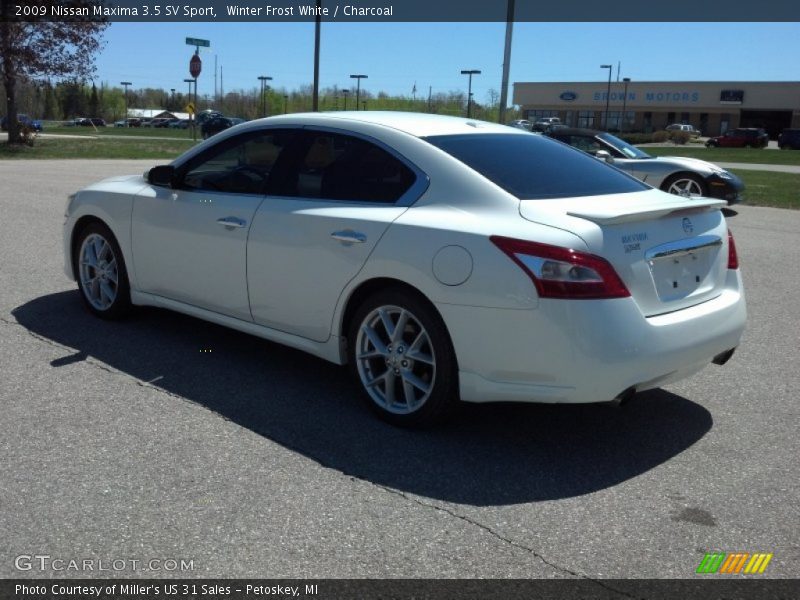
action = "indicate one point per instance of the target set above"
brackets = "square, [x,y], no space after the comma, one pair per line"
[198,42]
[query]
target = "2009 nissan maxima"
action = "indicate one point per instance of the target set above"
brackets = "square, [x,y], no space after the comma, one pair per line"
[440,258]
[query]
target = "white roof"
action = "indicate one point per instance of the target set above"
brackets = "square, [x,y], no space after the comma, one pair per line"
[416,124]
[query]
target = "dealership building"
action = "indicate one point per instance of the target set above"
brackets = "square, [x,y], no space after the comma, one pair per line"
[712,107]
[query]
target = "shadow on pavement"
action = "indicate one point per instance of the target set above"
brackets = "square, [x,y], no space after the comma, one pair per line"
[488,455]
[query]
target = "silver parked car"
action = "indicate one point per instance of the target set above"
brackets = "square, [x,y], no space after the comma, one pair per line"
[673,174]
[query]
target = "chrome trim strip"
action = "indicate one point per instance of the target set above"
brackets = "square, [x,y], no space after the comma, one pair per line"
[682,247]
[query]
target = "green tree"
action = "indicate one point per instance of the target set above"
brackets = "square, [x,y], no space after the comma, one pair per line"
[38,50]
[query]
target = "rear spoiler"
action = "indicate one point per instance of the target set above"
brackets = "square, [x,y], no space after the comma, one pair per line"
[672,207]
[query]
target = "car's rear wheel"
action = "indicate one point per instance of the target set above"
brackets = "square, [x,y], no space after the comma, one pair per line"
[685,184]
[401,355]
[101,273]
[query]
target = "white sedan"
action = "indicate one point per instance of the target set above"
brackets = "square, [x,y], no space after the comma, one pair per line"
[440,258]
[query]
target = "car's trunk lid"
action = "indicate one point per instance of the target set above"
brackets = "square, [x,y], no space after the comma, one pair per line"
[669,250]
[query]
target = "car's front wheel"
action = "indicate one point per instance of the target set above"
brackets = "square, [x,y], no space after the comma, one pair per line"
[101,273]
[401,355]
[685,184]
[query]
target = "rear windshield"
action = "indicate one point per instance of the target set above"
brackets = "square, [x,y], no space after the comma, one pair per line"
[534,167]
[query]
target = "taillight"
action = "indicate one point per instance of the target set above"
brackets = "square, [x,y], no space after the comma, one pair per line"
[562,272]
[733,258]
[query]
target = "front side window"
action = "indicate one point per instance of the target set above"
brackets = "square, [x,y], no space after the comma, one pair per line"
[332,166]
[240,165]
[536,167]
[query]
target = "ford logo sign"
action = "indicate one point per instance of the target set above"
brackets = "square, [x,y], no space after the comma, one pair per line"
[568,96]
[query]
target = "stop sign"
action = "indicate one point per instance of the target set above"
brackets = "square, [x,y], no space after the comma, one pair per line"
[195,64]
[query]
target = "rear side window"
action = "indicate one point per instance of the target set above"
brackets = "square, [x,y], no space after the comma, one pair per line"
[332,166]
[535,167]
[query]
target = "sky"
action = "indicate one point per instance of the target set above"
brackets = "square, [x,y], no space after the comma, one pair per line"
[396,56]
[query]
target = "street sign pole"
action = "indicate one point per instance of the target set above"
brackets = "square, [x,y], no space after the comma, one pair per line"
[195,66]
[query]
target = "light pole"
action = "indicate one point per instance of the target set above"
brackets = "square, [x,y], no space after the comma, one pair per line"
[627,80]
[470,72]
[194,112]
[264,79]
[608,93]
[126,84]
[364,104]
[358,86]
[172,99]
[344,93]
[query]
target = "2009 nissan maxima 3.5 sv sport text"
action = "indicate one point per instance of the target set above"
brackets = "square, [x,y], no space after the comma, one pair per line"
[440,258]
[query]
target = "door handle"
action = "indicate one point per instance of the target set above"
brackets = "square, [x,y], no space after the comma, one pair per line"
[348,236]
[231,222]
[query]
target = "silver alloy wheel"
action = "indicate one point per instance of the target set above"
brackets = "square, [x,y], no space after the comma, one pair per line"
[98,271]
[395,359]
[685,186]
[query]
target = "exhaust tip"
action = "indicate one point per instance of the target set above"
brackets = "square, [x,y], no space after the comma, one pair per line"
[722,358]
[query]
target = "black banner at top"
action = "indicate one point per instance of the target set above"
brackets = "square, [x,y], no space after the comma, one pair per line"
[400,10]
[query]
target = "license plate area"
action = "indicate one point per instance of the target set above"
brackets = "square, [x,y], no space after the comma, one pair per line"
[681,269]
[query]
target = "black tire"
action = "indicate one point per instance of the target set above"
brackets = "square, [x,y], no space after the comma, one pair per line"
[422,322]
[111,264]
[678,177]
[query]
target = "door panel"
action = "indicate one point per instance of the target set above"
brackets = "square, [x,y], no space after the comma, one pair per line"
[297,269]
[182,252]
[323,216]
[190,242]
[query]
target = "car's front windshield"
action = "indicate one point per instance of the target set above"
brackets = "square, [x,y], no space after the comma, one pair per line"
[627,149]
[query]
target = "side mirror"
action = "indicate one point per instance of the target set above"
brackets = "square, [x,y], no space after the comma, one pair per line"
[604,155]
[163,175]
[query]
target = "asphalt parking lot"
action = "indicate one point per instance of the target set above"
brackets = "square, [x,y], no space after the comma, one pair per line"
[164,437]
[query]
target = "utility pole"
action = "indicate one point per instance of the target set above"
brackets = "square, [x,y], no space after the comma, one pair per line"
[358,78]
[263,79]
[126,84]
[627,80]
[430,93]
[317,26]
[501,114]
[608,93]
[470,72]
[344,93]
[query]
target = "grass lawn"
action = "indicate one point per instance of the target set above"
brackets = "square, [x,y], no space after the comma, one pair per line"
[742,155]
[97,148]
[182,134]
[764,188]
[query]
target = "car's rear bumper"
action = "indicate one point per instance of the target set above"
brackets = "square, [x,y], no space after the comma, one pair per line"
[576,351]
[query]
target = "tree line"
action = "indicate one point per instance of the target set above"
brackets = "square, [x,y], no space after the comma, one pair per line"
[69,99]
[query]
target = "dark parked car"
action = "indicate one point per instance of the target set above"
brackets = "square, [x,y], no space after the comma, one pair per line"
[789,139]
[90,122]
[205,115]
[23,120]
[215,125]
[672,174]
[741,137]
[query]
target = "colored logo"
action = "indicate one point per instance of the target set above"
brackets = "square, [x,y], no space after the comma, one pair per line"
[687,225]
[734,563]
[568,96]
